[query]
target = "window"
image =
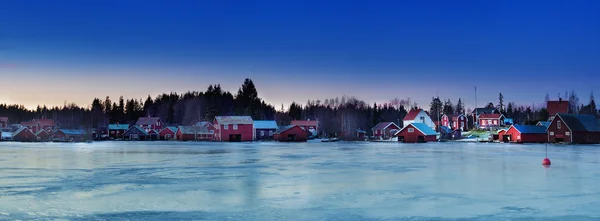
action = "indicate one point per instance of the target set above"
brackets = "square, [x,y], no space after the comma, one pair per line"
[212,131]
[495,122]
[519,137]
[462,124]
[489,122]
[422,119]
[226,127]
[112,132]
[567,133]
[262,133]
[551,133]
[271,133]
[411,130]
[235,126]
[558,124]
[135,136]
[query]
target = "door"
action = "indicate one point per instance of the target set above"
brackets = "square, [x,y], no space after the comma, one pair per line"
[421,139]
[235,137]
[291,137]
[506,138]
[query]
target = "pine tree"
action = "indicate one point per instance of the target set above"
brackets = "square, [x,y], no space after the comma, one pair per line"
[436,107]
[460,109]
[501,103]
[448,107]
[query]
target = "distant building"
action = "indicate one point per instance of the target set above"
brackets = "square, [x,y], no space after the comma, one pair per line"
[264,129]
[149,123]
[168,133]
[3,122]
[526,134]
[43,135]
[193,133]
[385,130]
[416,133]
[477,112]
[574,128]
[234,128]
[24,134]
[455,121]
[557,107]
[311,126]
[361,134]
[45,124]
[291,133]
[492,121]
[543,123]
[136,133]
[116,131]
[418,116]
[69,135]
[447,133]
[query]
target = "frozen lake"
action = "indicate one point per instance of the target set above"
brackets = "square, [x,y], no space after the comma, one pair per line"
[304,181]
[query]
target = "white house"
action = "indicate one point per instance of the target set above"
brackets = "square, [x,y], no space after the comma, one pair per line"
[418,116]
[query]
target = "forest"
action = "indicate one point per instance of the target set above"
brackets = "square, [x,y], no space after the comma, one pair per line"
[338,116]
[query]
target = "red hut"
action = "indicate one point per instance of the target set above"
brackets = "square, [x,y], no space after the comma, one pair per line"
[416,133]
[24,134]
[234,128]
[291,133]
[526,134]
[43,135]
[574,128]
[167,133]
[385,130]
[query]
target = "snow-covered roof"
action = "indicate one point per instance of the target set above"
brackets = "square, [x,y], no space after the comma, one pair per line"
[118,126]
[7,134]
[72,132]
[265,124]
[234,120]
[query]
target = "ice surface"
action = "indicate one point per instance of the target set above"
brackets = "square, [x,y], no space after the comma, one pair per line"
[299,181]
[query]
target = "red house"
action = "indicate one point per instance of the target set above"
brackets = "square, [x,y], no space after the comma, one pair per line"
[233,128]
[311,126]
[455,122]
[193,133]
[557,107]
[385,130]
[45,124]
[150,123]
[501,137]
[291,133]
[24,134]
[574,128]
[3,122]
[43,135]
[416,133]
[167,133]
[491,120]
[31,125]
[526,134]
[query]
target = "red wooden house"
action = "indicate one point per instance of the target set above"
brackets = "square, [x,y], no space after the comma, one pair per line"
[31,125]
[557,107]
[291,133]
[526,134]
[416,133]
[3,122]
[311,126]
[24,134]
[150,123]
[167,133]
[43,135]
[491,120]
[574,128]
[45,124]
[385,130]
[501,137]
[233,128]
[455,122]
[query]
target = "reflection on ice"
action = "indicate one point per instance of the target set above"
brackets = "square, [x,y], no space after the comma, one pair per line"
[305,181]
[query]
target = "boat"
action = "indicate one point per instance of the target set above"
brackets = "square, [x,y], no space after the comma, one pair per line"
[330,140]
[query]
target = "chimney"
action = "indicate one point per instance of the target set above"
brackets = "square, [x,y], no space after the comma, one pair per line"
[560,99]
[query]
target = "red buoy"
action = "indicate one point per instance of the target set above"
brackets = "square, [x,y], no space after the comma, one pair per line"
[546,161]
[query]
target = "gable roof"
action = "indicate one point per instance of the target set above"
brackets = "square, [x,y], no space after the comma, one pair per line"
[383,125]
[412,114]
[21,130]
[580,122]
[201,123]
[45,122]
[72,132]
[29,123]
[490,116]
[147,120]
[171,128]
[530,129]
[544,123]
[557,107]
[286,128]
[42,131]
[193,130]
[455,117]
[484,110]
[234,120]
[423,128]
[306,123]
[265,124]
[118,126]
[137,128]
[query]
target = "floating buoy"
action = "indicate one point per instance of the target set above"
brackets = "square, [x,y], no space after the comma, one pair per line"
[546,161]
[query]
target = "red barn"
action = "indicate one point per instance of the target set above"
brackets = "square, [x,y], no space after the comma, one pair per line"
[233,128]
[189,133]
[491,120]
[557,107]
[3,122]
[501,136]
[311,126]
[385,130]
[416,133]
[526,134]
[150,123]
[167,133]
[574,128]
[291,133]
[45,124]
[43,135]
[24,134]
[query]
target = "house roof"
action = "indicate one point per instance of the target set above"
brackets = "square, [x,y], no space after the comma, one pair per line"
[194,130]
[484,110]
[445,129]
[412,114]
[361,131]
[455,117]
[490,116]
[426,130]
[265,124]
[3,119]
[45,122]
[234,119]
[383,125]
[137,128]
[580,122]
[557,107]
[171,128]
[118,126]
[72,131]
[147,120]
[530,129]
[544,123]
[42,131]
[306,123]
[201,123]
[285,128]
[20,130]
[29,123]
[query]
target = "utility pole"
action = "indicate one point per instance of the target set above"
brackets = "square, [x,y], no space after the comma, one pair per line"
[476,123]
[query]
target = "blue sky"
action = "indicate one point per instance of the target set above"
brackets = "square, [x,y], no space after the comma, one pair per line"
[52,51]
